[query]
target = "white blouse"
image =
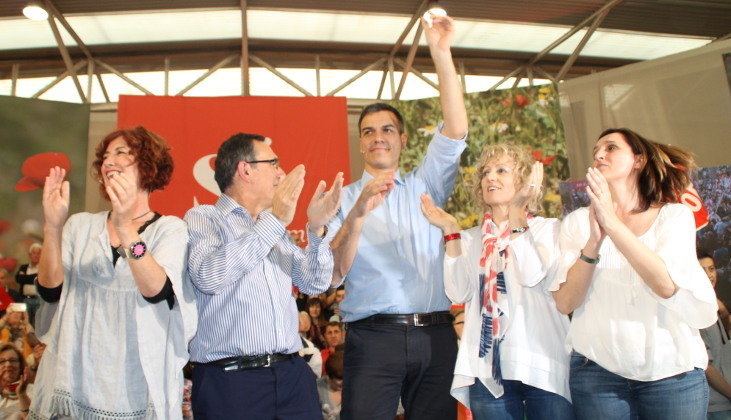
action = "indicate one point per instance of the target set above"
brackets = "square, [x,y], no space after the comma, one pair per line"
[533,347]
[111,353]
[625,327]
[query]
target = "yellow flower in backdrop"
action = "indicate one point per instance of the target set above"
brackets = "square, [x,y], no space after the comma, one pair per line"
[468,221]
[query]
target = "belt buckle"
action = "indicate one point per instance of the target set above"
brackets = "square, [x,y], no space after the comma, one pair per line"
[417,323]
[269,361]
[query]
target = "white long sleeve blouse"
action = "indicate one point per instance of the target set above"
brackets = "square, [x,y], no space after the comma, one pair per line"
[111,353]
[533,348]
[622,325]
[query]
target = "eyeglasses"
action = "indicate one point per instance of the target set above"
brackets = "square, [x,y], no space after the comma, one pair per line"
[11,361]
[274,162]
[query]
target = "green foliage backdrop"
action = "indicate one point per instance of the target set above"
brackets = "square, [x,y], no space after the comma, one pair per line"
[528,117]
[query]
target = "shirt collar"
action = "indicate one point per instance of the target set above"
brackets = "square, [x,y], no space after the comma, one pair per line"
[226,205]
[367,177]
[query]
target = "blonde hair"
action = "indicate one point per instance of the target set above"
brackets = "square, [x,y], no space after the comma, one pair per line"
[523,161]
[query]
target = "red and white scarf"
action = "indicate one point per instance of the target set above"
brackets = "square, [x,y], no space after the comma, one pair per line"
[494,293]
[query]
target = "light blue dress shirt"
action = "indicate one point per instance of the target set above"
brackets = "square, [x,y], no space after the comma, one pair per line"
[243,272]
[398,266]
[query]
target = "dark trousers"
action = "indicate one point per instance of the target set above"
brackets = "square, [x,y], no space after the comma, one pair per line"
[385,362]
[285,390]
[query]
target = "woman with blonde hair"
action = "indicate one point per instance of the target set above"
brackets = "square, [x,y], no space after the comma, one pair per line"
[511,362]
[629,274]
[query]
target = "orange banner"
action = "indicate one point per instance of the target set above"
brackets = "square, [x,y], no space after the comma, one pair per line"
[312,131]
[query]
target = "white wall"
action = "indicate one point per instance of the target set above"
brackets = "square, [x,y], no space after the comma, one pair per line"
[682,99]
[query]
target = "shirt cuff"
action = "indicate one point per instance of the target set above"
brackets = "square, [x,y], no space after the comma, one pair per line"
[269,228]
[440,136]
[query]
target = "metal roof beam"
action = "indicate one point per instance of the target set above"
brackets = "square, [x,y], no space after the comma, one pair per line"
[572,31]
[277,73]
[574,55]
[357,76]
[205,75]
[66,58]
[409,61]
[245,88]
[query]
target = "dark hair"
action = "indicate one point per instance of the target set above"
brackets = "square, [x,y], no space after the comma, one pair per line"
[151,153]
[334,364]
[702,253]
[666,172]
[239,147]
[378,107]
[21,359]
[314,301]
[332,324]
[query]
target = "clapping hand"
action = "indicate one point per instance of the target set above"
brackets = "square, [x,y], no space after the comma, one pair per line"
[531,189]
[602,207]
[122,192]
[437,216]
[323,207]
[56,198]
[373,194]
[287,193]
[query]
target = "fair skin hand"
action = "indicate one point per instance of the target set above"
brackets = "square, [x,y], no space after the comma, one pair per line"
[444,221]
[55,212]
[286,195]
[516,211]
[323,206]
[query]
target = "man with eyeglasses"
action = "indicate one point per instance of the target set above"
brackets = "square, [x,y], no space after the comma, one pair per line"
[243,265]
[400,341]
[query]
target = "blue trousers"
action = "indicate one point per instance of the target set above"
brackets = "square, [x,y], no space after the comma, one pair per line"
[600,394]
[285,390]
[520,401]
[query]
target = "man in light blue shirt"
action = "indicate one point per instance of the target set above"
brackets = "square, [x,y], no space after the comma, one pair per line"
[400,341]
[243,265]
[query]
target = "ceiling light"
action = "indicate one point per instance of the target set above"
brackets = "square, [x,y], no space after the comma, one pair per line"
[35,11]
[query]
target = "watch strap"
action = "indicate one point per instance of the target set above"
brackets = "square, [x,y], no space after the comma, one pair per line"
[589,260]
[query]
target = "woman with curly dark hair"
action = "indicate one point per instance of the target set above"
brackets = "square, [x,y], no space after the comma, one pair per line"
[119,338]
[629,274]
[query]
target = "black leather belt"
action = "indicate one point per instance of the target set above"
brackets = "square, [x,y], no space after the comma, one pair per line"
[232,364]
[417,320]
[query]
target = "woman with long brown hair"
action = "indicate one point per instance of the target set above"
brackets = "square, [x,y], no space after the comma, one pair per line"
[628,273]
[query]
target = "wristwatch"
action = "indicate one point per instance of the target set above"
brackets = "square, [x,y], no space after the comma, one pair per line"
[136,250]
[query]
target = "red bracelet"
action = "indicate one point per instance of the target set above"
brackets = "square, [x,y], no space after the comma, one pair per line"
[452,237]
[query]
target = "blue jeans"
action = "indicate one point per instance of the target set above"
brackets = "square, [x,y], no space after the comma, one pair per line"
[600,394]
[518,402]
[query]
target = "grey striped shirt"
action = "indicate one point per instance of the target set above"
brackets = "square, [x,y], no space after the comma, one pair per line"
[243,272]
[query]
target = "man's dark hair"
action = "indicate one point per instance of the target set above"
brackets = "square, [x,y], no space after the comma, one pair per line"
[332,324]
[702,253]
[378,107]
[239,147]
